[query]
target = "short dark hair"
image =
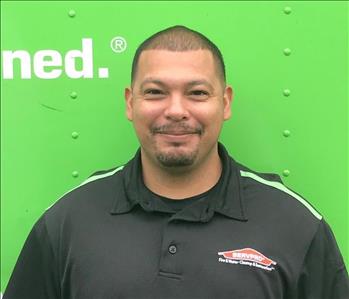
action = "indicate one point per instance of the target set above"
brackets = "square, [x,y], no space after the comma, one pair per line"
[179,39]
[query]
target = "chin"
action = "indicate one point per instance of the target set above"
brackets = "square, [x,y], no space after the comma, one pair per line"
[176,158]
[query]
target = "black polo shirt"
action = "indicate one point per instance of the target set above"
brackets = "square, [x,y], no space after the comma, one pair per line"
[248,237]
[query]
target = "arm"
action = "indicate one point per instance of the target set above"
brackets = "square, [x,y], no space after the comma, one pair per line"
[35,273]
[323,275]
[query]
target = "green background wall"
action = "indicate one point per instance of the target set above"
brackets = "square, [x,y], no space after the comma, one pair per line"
[41,159]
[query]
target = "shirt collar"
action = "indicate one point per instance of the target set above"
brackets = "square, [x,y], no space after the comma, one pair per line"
[227,199]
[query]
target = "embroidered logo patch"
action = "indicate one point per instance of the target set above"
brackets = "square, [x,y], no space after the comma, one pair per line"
[248,257]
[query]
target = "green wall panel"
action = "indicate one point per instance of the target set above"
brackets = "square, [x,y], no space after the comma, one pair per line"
[38,116]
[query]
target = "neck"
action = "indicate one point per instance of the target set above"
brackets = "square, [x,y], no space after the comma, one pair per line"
[184,182]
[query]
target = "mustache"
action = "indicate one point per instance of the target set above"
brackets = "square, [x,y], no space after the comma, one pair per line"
[182,128]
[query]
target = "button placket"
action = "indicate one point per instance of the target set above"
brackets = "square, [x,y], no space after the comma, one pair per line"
[171,255]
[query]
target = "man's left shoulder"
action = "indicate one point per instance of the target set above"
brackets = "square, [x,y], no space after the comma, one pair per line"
[266,193]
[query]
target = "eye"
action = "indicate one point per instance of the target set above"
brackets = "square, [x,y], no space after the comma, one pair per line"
[199,93]
[153,91]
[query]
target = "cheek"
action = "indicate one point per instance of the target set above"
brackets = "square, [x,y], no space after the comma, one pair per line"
[142,109]
[210,117]
[144,116]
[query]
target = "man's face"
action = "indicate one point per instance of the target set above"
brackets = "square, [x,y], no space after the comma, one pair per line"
[177,105]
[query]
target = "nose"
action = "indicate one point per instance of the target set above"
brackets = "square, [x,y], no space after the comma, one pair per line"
[176,108]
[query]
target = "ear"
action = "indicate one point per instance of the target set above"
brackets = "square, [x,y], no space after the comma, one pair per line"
[128,100]
[227,99]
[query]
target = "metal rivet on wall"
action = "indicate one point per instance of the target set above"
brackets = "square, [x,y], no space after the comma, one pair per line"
[75,135]
[287,10]
[286,92]
[287,51]
[71,13]
[286,172]
[75,174]
[73,95]
[286,133]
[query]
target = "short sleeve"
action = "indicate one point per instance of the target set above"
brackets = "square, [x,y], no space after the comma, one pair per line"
[34,275]
[323,275]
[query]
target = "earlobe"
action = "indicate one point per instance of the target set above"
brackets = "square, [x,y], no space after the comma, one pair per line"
[227,98]
[128,100]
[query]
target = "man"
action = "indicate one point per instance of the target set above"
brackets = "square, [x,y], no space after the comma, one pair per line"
[182,219]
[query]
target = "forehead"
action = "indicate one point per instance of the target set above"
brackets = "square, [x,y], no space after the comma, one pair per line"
[176,66]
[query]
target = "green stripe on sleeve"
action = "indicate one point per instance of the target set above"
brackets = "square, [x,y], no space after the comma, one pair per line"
[281,187]
[91,179]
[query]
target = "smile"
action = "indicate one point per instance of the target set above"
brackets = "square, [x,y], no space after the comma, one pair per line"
[176,136]
[177,133]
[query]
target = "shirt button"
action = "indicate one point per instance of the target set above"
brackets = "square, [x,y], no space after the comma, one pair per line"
[172,249]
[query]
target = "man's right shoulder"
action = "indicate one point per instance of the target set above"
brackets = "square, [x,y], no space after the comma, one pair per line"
[97,186]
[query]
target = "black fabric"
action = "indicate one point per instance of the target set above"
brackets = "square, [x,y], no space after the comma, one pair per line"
[103,240]
[35,273]
[176,205]
[323,273]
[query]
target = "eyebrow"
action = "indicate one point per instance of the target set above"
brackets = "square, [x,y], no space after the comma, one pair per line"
[189,84]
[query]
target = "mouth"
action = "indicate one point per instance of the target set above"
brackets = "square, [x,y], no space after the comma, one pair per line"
[176,137]
[177,133]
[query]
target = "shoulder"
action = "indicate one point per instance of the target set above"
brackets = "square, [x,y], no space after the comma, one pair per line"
[95,183]
[87,203]
[269,187]
[280,215]
[94,194]
[277,208]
